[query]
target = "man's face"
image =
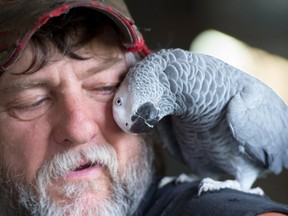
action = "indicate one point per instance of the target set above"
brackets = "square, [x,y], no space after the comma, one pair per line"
[59,142]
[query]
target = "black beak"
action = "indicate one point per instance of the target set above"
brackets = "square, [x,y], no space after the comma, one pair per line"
[145,118]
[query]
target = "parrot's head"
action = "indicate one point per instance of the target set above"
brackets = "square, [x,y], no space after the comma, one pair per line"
[139,101]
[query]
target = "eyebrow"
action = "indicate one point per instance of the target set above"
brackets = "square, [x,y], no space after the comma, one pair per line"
[19,86]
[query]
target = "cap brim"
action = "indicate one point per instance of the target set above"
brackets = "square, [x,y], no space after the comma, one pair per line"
[19,26]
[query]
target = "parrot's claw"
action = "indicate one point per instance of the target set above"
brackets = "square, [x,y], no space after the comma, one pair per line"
[165,181]
[208,184]
[256,191]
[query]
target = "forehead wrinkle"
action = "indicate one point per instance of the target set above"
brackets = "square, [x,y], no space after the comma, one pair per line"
[105,64]
[29,84]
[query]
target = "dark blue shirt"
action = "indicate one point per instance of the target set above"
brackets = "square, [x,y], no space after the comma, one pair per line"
[182,199]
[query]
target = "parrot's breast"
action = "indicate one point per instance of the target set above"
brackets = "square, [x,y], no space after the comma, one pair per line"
[208,152]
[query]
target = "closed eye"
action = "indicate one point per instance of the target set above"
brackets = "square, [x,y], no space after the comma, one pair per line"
[104,93]
[107,89]
[30,111]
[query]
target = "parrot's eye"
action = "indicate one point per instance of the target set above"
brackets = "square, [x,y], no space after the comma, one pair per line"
[118,102]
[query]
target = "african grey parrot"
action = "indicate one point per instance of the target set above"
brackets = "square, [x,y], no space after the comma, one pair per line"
[214,117]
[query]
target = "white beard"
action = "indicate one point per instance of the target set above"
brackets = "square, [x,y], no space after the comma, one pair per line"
[126,189]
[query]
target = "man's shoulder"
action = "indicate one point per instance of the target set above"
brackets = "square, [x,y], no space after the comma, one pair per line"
[181,198]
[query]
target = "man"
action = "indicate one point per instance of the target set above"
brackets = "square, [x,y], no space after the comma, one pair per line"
[61,151]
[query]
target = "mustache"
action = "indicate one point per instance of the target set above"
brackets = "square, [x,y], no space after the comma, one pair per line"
[62,163]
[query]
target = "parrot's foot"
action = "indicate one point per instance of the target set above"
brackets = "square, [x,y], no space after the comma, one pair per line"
[208,184]
[182,178]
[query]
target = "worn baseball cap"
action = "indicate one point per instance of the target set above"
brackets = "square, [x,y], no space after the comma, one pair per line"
[20,19]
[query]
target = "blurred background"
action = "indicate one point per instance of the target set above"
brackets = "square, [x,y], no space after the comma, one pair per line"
[249,34]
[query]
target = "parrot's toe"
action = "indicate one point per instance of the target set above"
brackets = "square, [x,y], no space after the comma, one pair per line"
[256,191]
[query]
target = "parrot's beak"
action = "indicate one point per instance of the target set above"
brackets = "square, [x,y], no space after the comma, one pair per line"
[145,118]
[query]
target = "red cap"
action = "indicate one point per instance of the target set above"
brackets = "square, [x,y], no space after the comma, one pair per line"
[20,19]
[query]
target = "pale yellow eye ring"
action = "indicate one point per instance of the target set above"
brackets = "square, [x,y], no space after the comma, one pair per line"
[118,102]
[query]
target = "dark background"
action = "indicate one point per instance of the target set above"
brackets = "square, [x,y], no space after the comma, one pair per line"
[174,23]
[259,23]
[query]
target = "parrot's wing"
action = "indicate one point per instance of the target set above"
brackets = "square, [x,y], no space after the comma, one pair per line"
[258,119]
[166,134]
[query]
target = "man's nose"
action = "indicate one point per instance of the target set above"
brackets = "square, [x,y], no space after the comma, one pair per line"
[75,123]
